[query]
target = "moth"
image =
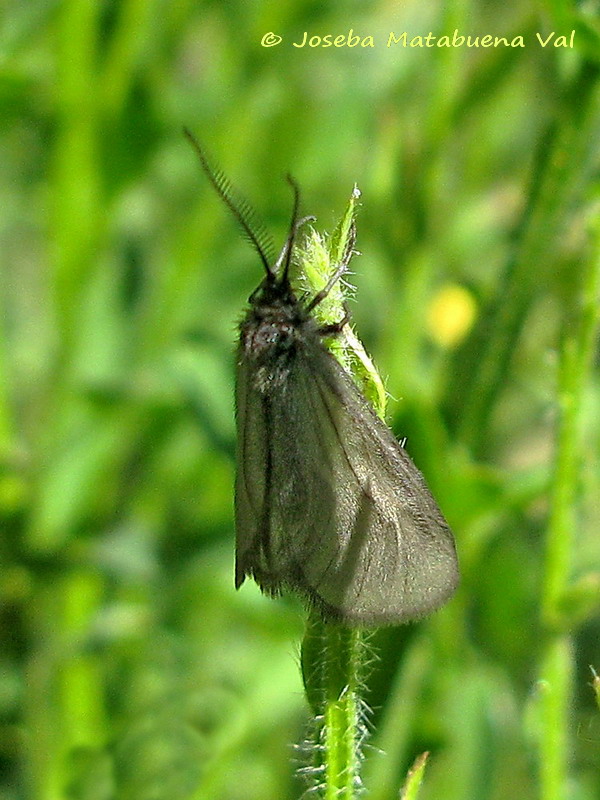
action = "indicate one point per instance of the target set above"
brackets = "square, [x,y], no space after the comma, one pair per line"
[328,504]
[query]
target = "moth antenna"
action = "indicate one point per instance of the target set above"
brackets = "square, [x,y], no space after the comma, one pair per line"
[246,216]
[289,245]
[299,223]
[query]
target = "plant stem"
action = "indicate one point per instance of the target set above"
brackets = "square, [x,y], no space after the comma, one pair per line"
[65,710]
[556,672]
[557,664]
[332,656]
[565,155]
[576,356]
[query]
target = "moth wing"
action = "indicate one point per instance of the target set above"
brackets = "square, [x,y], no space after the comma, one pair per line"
[283,475]
[365,539]
[251,469]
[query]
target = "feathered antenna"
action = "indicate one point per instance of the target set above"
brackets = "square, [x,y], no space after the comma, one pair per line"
[252,227]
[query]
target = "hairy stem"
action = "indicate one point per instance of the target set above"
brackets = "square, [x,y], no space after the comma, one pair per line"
[332,665]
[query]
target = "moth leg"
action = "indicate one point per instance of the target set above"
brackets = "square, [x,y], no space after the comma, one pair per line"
[335,327]
[320,296]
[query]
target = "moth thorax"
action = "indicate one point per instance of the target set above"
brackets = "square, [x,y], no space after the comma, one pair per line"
[269,337]
[271,330]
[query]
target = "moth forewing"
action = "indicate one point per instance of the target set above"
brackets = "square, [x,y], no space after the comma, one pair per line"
[363,538]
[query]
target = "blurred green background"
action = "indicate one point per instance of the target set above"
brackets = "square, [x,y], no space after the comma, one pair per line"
[129,666]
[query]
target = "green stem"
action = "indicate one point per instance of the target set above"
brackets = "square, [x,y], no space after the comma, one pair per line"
[65,707]
[332,660]
[78,212]
[557,663]
[576,356]
[565,156]
[556,672]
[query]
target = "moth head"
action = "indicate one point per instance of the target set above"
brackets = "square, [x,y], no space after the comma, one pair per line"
[273,292]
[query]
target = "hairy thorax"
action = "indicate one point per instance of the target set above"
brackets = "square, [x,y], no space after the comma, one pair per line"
[270,337]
